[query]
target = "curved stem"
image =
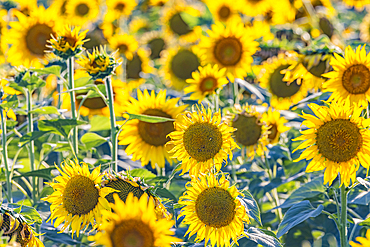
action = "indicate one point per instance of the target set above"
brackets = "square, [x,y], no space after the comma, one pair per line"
[32,143]
[343,215]
[72,95]
[5,156]
[109,89]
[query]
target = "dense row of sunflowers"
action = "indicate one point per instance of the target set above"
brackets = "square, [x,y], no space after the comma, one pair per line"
[234,109]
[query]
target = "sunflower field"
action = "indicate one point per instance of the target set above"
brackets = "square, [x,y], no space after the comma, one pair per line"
[168,123]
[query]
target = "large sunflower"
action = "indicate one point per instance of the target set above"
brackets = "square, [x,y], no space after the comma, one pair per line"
[224,10]
[283,94]
[231,47]
[79,12]
[251,133]
[212,210]
[146,141]
[77,199]
[28,37]
[134,223]
[350,80]
[275,123]
[178,65]
[201,141]
[205,82]
[337,140]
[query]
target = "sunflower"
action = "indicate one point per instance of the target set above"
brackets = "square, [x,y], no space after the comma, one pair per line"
[146,141]
[79,12]
[363,241]
[358,4]
[250,131]
[178,64]
[231,47]
[200,141]
[255,7]
[125,44]
[337,140]
[258,29]
[156,42]
[365,29]
[134,223]
[205,82]
[176,27]
[275,123]
[139,25]
[125,184]
[158,3]
[119,8]
[77,198]
[28,37]
[60,8]
[275,14]
[212,210]
[26,6]
[224,10]
[283,94]
[309,68]
[350,80]
[13,226]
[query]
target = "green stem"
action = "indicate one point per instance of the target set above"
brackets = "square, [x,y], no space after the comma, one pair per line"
[109,89]
[5,157]
[72,94]
[343,215]
[333,218]
[32,143]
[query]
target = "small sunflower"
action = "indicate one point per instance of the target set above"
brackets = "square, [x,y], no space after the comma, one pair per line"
[275,123]
[250,131]
[231,47]
[119,8]
[178,65]
[109,26]
[200,141]
[60,8]
[363,242]
[212,210]
[146,141]
[337,140]
[205,82]
[134,223]
[255,7]
[358,4]
[283,94]
[26,6]
[365,29]
[79,12]
[77,199]
[350,80]
[140,25]
[124,184]
[176,27]
[125,44]
[224,10]
[156,42]
[68,43]
[28,37]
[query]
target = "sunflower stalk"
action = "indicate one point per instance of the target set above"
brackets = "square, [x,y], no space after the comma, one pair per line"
[32,143]
[343,215]
[112,118]
[72,95]
[5,157]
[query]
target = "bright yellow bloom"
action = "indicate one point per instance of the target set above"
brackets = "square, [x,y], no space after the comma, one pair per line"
[80,12]
[358,4]
[364,242]
[212,210]
[254,8]
[146,141]
[350,80]
[276,124]
[337,140]
[77,199]
[132,223]
[120,8]
[224,10]
[200,141]
[125,44]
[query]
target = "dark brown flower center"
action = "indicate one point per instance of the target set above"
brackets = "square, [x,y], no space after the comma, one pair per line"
[120,7]
[132,233]
[122,48]
[224,12]
[156,46]
[273,132]
[82,9]
[208,84]
[281,88]
[184,63]
[178,25]
[228,51]
[316,70]
[248,129]
[356,79]
[36,38]
[133,67]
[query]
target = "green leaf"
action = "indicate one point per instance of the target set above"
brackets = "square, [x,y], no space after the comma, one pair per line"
[11,102]
[162,192]
[31,81]
[27,138]
[59,126]
[142,173]
[363,198]
[297,214]
[29,213]
[148,119]
[92,140]
[364,182]
[307,190]
[42,173]
[46,110]
[99,123]
[83,81]
[251,206]
[191,20]
[54,69]
[260,237]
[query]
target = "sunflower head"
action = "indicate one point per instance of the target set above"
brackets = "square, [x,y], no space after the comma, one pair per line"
[134,223]
[68,43]
[119,8]
[125,44]
[337,140]
[212,210]
[77,198]
[201,141]
[99,64]
[275,123]
[80,12]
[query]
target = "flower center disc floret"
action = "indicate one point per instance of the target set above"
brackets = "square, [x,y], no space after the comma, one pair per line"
[228,51]
[132,233]
[248,130]
[356,79]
